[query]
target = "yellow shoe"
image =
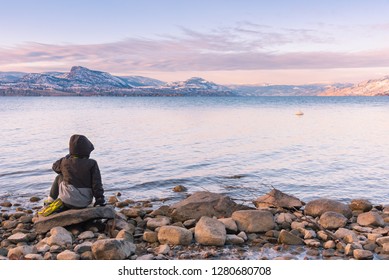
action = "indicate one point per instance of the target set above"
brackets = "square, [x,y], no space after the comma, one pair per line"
[55,206]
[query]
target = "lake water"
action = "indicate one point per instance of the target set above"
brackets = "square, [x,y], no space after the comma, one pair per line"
[238,146]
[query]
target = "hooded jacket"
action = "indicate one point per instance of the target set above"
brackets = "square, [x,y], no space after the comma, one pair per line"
[81,175]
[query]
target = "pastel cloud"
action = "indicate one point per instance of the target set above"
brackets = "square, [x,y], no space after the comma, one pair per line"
[245,46]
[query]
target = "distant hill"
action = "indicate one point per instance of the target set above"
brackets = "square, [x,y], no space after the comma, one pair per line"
[83,81]
[367,88]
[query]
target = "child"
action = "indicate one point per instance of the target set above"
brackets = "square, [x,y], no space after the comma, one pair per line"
[78,179]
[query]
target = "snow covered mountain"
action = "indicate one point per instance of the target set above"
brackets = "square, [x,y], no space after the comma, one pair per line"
[83,81]
[367,88]
[196,83]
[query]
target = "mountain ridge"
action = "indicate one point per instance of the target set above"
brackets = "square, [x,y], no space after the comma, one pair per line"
[83,81]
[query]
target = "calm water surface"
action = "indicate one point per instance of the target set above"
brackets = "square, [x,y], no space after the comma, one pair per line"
[145,146]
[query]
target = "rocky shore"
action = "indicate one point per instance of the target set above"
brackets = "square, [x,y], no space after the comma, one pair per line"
[205,225]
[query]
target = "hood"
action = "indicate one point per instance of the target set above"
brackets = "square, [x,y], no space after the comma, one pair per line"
[79,145]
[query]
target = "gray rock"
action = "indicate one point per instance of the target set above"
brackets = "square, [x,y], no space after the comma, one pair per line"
[83,247]
[285,218]
[112,249]
[126,235]
[121,224]
[209,231]
[147,257]
[175,235]
[88,255]
[229,224]
[19,252]
[86,235]
[60,236]
[370,219]
[385,248]
[254,220]
[68,255]
[189,223]
[318,207]
[34,257]
[332,220]
[162,249]
[158,221]
[276,198]
[203,204]
[288,238]
[382,240]
[361,254]
[234,239]
[19,237]
[3,252]
[9,224]
[42,246]
[362,205]
[133,212]
[343,232]
[150,236]
[71,217]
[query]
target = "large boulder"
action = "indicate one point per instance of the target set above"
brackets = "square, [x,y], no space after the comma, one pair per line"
[332,220]
[174,235]
[362,205]
[370,219]
[316,208]
[276,198]
[73,216]
[203,204]
[254,220]
[209,231]
[112,249]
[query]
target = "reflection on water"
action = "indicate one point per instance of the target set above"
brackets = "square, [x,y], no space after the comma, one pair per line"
[146,146]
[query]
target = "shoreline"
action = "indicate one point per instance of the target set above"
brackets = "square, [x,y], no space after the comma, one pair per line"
[322,229]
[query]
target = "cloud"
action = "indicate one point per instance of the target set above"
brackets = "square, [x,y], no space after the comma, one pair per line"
[245,46]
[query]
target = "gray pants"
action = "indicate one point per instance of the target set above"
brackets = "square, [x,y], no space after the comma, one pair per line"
[54,191]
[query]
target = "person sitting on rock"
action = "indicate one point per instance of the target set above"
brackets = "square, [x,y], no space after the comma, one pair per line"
[78,179]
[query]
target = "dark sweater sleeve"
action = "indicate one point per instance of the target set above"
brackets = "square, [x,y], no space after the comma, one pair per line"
[57,166]
[97,186]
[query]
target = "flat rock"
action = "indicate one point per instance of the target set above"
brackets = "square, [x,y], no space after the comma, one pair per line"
[19,237]
[203,204]
[34,257]
[112,249]
[158,221]
[234,239]
[209,231]
[316,208]
[73,216]
[361,254]
[370,219]
[83,247]
[175,235]
[254,220]
[288,238]
[382,240]
[276,198]
[68,255]
[332,220]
